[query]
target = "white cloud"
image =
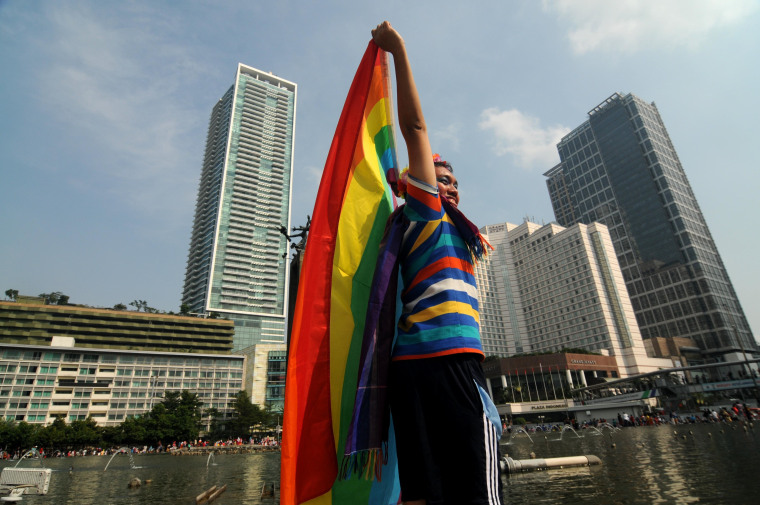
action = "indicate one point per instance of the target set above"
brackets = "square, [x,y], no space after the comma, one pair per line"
[118,86]
[445,140]
[523,137]
[631,25]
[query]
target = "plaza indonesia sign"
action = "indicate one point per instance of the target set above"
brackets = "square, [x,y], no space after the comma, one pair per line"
[548,406]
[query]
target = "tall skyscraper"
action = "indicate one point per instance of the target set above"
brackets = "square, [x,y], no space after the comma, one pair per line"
[621,169]
[237,265]
[503,331]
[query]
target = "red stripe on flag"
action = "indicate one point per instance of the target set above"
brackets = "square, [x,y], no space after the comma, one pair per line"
[309,462]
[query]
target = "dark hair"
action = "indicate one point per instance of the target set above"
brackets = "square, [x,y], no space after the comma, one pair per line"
[444,164]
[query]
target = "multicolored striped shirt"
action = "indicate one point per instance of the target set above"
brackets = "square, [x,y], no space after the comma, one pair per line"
[439,296]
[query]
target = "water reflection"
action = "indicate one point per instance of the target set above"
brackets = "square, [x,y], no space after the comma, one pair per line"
[708,464]
[174,479]
[711,463]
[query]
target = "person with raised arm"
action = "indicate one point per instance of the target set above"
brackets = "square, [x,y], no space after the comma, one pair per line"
[446,426]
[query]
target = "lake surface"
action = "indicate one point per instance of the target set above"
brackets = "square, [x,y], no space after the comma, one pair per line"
[175,479]
[701,463]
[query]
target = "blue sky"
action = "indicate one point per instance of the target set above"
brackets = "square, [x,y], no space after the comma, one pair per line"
[104,107]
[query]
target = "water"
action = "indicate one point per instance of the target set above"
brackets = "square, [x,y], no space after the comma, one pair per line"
[175,479]
[713,464]
[684,464]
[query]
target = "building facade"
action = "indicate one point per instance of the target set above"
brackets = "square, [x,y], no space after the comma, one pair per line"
[237,264]
[546,377]
[565,288]
[73,362]
[37,324]
[265,370]
[39,383]
[503,330]
[621,169]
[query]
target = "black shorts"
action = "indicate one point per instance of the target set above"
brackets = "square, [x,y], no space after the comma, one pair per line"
[448,450]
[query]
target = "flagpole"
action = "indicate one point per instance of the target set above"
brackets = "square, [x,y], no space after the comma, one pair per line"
[546,393]
[522,398]
[551,377]
[526,384]
[561,384]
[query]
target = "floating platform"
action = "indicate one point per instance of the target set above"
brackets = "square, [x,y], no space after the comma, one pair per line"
[32,480]
[510,466]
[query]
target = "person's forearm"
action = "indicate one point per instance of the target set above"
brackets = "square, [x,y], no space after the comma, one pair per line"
[411,119]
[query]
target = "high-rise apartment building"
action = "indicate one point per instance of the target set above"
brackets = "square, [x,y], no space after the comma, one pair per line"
[563,290]
[237,265]
[621,169]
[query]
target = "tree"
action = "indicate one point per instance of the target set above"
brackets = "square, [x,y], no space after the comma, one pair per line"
[133,431]
[120,306]
[246,414]
[139,304]
[54,298]
[214,426]
[143,305]
[84,433]
[177,417]
[184,309]
[18,436]
[158,423]
[12,294]
[53,435]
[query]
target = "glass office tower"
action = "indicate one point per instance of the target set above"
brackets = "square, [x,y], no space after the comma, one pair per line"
[620,168]
[237,265]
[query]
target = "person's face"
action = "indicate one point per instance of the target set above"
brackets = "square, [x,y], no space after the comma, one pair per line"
[448,187]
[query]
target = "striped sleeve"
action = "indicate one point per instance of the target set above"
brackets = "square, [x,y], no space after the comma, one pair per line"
[422,202]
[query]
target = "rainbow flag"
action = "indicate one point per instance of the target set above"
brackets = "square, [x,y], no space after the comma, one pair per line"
[351,209]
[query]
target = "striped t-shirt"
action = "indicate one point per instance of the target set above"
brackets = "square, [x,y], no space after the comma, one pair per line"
[439,296]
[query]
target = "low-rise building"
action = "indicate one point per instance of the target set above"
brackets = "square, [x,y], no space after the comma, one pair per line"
[73,362]
[36,324]
[39,383]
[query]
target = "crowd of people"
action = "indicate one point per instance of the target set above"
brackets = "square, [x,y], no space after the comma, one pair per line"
[737,412]
[268,441]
